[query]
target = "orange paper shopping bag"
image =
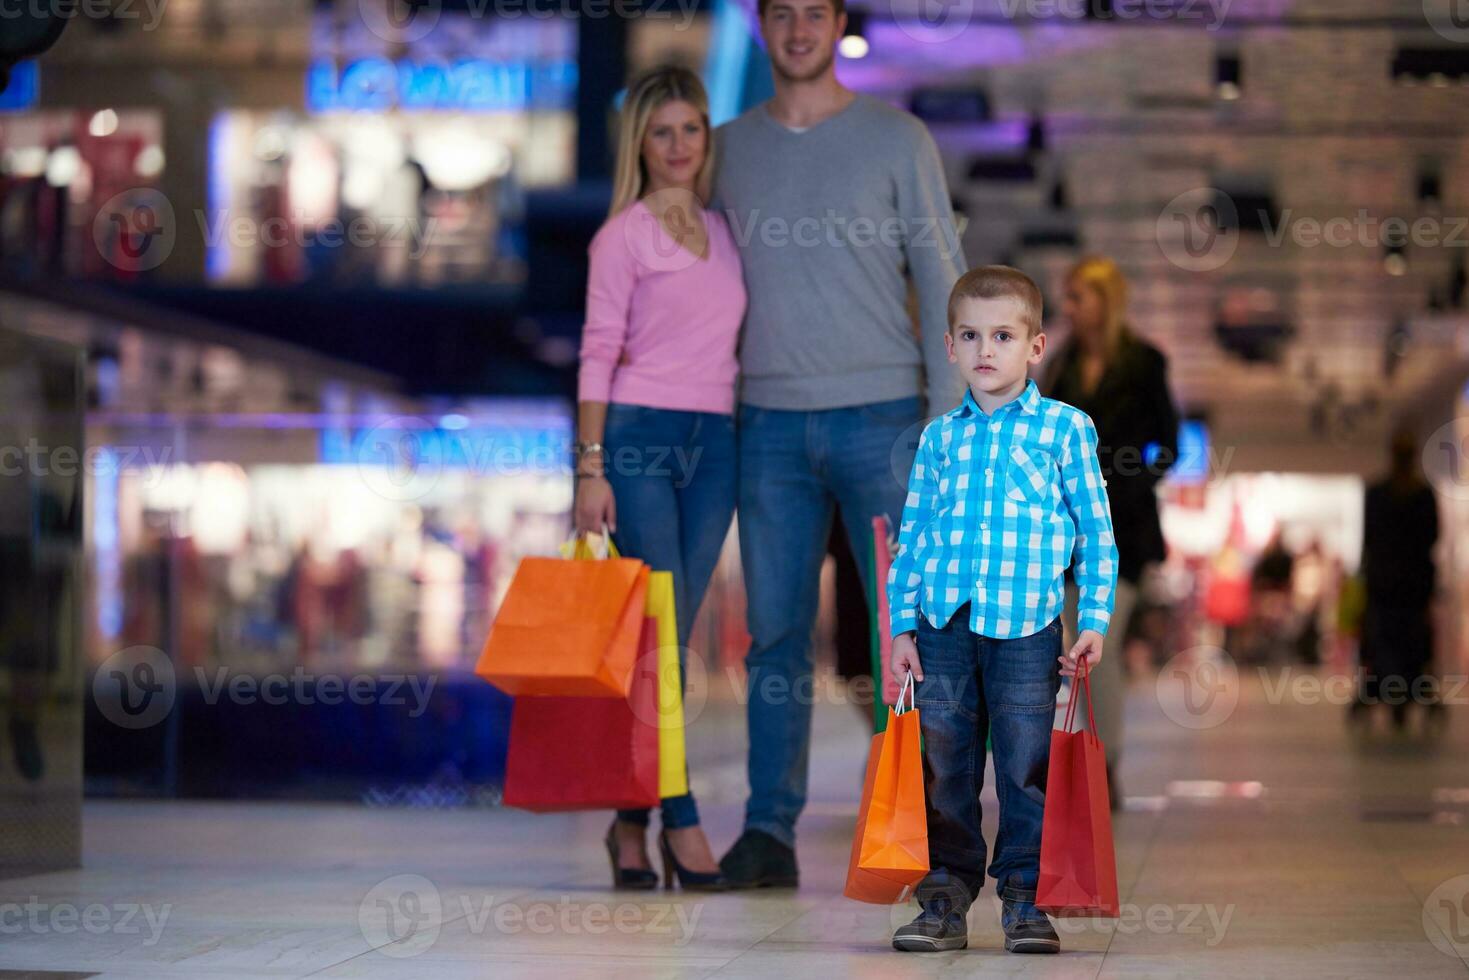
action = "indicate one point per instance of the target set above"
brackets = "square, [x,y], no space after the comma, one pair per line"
[1078,875]
[568,628]
[890,849]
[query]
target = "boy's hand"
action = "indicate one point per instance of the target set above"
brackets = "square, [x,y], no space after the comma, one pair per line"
[1088,646]
[905,657]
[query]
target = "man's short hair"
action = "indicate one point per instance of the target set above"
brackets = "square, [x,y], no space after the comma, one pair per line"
[838,7]
[999,282]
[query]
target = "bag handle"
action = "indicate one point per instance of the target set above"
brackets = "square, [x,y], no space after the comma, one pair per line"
[579,546]
[1083,679]
[906,690]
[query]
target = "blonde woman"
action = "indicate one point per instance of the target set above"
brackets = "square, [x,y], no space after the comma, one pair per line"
[1120,380]
[656,395]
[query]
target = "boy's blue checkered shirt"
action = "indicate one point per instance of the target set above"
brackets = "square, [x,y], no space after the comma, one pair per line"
[998,506]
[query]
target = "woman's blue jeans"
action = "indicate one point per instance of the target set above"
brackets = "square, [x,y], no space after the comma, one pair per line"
[673,484]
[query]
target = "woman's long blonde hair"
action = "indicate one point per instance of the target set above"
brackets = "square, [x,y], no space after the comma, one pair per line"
[645,96]
[1102,274]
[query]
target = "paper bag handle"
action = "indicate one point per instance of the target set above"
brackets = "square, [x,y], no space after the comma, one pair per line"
[579,546]
[906,690]
[1083,679]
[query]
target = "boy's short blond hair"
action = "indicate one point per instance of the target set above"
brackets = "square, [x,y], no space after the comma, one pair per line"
[999,282]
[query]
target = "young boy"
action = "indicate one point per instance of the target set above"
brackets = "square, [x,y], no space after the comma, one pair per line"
[1005,493]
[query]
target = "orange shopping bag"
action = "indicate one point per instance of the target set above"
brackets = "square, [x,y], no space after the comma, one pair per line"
[1078,874]
[568,628]
[890,848]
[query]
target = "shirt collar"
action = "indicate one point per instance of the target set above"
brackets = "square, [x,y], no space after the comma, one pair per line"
[1028,402]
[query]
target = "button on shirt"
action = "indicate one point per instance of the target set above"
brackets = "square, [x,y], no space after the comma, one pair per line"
[998,506]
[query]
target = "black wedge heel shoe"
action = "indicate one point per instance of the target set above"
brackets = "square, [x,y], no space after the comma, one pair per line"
[640,879]
[689,881]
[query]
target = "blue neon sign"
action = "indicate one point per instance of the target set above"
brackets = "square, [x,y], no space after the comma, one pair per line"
[470,85]
[24,88]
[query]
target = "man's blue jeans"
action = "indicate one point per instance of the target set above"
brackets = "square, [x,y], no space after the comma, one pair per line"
[796,470]
[973,685]
[673,484]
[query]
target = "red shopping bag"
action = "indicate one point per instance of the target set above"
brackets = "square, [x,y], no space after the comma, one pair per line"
[1078,875]
[578,753]
[890,848]
[1227,600]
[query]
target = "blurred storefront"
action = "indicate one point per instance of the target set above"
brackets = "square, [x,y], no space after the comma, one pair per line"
[256,512]
[322,142]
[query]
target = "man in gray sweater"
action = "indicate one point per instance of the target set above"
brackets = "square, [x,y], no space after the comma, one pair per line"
[835,200]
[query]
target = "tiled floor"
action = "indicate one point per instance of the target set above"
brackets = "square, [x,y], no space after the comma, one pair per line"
[1262,841]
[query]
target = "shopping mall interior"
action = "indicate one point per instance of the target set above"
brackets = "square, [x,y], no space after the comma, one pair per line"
[292,295]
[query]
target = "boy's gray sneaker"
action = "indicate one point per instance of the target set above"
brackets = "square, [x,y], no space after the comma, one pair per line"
[1027,930]
[933,931]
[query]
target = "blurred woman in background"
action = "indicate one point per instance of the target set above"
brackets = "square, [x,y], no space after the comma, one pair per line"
[1120,380]
[656,395]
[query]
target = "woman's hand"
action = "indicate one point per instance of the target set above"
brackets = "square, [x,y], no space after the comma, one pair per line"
[595,506]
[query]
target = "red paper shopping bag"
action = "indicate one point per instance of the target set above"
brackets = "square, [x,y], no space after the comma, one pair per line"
[890,848]
[1078,875]
[579,753]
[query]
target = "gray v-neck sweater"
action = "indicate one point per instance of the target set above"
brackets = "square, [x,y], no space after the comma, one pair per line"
[829,221]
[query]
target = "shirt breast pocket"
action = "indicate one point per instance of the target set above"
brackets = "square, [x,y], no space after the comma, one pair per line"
[1028,476]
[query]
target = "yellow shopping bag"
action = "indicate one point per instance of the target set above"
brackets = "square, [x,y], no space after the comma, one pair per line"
[673,775]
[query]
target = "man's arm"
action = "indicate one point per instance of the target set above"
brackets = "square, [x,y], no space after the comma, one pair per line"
[1094,554]
[935,261]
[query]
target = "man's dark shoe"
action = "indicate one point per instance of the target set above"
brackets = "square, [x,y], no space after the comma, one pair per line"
[1027,930]
[758,860]
[935,930]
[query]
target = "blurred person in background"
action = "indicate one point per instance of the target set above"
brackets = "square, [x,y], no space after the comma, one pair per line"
[1400,528]
[1105,369]
[1270,599]
[655,423]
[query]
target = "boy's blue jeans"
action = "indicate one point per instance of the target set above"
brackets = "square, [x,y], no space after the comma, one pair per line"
[796,469]
[673,483]
[971,685]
